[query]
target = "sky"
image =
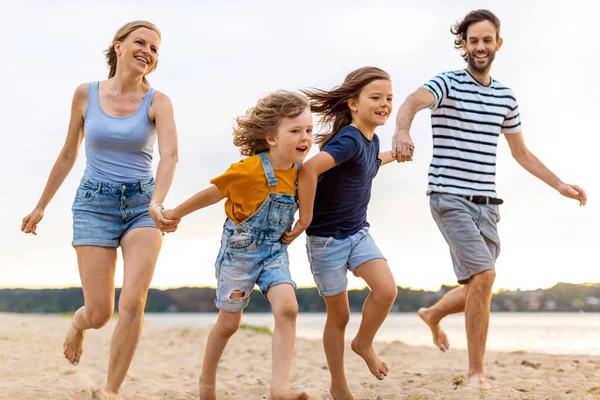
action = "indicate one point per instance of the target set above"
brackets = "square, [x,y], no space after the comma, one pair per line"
[217,58]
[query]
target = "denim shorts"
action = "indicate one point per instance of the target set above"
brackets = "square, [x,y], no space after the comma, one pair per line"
[470,231]
[104,212]
[248,258]
[330,259]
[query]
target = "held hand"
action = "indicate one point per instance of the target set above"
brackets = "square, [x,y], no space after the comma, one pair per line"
[403,147]
[573,192]
[162,223]
[168,214]
[298,228]
[29,224]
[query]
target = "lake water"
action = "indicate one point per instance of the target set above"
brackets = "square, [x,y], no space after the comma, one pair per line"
[557,333]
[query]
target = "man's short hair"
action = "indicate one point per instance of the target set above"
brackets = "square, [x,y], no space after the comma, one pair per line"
[459,30]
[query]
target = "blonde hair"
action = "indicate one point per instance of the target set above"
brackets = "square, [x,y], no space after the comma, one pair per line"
[332,105]
[251,128]
[121,35]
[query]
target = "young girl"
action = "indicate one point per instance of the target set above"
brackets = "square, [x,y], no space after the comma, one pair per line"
[338,182]
[276,135]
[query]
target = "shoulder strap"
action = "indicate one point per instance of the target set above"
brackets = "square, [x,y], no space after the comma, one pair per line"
[269,173]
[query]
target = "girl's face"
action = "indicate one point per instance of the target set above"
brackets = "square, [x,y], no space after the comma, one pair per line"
[139,51]
[374,104]
[294,138]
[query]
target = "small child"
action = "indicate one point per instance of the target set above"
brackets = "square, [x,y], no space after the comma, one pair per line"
[276,135]
[334,193]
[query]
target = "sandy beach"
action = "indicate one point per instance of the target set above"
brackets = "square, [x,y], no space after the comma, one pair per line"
[167,366]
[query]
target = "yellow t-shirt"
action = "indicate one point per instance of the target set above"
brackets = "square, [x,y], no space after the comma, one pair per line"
[245,186]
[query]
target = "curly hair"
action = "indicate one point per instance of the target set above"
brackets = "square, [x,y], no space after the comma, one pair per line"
[459,29]
[251,128]
[332,105]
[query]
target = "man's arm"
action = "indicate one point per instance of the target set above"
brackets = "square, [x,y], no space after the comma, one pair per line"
[535,167]
[402,145]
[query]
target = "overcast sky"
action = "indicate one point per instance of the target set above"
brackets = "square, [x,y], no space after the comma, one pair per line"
[217,58]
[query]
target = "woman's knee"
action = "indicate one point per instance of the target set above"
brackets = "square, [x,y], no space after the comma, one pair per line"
[338,319]
[230,325]
[131,307]
[98,315]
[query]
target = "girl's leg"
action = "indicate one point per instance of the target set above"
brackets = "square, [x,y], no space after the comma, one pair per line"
[97,273]
[338,315]
[140,248]
[285,310]
[378,304]
[227,324]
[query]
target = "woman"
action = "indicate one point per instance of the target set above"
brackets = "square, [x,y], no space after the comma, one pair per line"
[117,203]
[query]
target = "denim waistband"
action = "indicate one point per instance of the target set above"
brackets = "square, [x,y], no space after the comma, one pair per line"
[112,187]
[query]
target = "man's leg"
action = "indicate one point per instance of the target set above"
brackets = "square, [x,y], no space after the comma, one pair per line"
[477,321]
[453,302]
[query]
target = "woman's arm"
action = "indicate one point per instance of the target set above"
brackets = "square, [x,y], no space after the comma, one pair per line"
[65,161]
[307,187]
[167,147]
[200,200]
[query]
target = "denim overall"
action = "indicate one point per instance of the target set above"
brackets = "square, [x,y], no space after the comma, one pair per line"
[251,251]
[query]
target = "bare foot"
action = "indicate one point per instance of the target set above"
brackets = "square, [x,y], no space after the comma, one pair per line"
[207,392]
[439,336]
[479,382]
[73,345]
[287,394]
[376,366]
[106,395]
[341,393]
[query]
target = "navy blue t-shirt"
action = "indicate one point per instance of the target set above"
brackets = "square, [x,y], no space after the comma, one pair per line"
[344,191]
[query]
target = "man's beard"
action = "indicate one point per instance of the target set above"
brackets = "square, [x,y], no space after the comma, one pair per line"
[471,60]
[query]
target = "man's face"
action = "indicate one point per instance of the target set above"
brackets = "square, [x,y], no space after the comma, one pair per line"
[481,45]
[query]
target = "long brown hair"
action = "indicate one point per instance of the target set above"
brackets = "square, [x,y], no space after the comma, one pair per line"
[332,105]
[121,35]
[459,30]
[251,128]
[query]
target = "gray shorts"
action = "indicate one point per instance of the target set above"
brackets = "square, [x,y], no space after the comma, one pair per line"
[470,231]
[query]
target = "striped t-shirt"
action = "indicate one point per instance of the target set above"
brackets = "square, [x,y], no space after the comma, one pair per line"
[467,118]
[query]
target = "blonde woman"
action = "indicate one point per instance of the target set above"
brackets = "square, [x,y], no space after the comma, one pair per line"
[118,202]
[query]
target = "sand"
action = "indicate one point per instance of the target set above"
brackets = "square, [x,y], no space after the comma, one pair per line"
[167,366]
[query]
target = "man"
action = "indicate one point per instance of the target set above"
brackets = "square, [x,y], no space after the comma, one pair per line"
[469,112]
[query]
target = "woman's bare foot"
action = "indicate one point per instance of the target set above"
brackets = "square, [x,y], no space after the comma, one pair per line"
[287,394]
[479,382]
[439,336]
[341,393]
[376,366]
[73,345]
[207,392]
[106,395]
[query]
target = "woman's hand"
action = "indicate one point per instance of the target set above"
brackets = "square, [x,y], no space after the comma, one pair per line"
[29,224]
[165,225]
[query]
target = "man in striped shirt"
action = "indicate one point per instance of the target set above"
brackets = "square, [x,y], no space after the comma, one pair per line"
[469,112]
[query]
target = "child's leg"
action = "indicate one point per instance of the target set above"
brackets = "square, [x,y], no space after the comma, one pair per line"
[285,310]
[338,315]
[378,304]
[227,324]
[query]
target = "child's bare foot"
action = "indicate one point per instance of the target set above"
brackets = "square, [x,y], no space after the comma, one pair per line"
[479,382]
[439,336]
[376,366]
[207,392]
[73,345]
[341,393]
[287,394]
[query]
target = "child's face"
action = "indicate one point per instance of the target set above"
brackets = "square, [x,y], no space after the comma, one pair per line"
[374,104]
[294,137]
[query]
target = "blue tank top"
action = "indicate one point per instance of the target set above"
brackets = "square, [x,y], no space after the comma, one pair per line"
[118,149]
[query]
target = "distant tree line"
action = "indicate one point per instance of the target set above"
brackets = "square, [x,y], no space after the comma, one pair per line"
[561,297]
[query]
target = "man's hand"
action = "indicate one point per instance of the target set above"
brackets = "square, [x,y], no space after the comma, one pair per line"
[298,228]
[403,147]
[573,192]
